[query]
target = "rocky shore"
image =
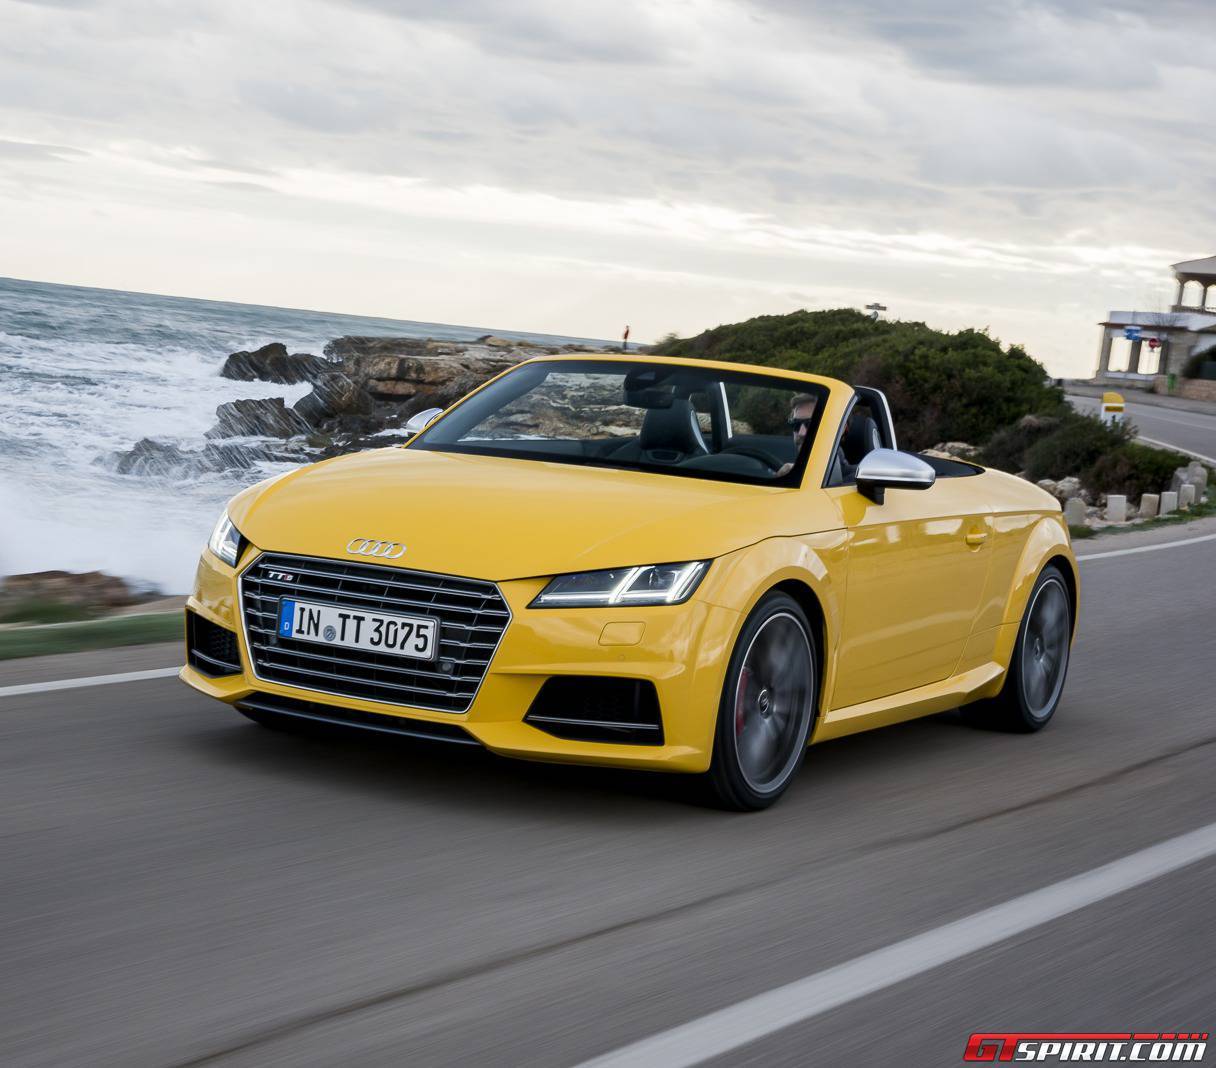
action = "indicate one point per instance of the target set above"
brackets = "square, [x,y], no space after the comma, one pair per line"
[364,390]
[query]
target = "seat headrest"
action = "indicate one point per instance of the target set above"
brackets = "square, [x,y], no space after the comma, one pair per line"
[860,437]
[674,429]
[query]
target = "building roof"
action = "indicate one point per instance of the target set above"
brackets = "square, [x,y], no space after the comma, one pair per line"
[1195,322]
[1197,268]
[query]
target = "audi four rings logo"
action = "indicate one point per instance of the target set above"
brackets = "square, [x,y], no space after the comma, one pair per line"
[382,550]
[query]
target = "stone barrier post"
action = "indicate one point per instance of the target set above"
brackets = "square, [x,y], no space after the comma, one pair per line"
[1116,508]
[1169,502]
[1149,503]
[1074,512]
[1186,495]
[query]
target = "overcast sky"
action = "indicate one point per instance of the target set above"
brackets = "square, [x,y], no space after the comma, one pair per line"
[571,166]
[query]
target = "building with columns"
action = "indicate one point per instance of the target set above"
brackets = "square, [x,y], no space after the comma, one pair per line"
[1162,343]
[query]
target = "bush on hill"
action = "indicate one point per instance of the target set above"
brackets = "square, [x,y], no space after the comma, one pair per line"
[941,386]
[1006,449]
[1077,444]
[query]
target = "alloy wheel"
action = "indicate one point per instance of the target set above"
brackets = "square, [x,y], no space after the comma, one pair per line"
[1045,648]
[772,696]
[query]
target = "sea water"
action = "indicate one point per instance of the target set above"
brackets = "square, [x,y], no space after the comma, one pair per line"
[85,373]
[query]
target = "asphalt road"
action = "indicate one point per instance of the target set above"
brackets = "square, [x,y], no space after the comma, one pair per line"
[182,887]
[1191,431]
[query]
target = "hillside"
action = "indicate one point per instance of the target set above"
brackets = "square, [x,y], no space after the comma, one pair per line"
[942,386]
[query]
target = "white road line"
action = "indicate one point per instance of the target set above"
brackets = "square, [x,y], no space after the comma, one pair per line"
[1173,420]
[763,1015]
[89,680]
[164,673]
[1177,448]
[1157,412]
[1147,548]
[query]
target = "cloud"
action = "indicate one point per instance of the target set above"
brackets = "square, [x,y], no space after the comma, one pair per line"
[809,147]
[1058,43]
[28,150]
[572,32]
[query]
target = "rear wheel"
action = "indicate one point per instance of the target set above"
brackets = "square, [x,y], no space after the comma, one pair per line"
[767,706]
[1035,680]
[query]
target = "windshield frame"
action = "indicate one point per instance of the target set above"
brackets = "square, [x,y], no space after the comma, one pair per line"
[714,373]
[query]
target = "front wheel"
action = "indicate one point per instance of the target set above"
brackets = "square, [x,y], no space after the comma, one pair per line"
[767,706]
[1035,680]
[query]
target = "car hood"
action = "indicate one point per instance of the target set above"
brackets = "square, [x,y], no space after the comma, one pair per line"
[499,518]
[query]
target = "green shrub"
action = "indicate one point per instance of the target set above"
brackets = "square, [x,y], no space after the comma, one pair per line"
[941,386]
[1132,469]
[1075,445]
[1006,449]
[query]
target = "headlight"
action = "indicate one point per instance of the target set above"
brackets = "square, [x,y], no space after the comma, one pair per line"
[225,541]
[652,584]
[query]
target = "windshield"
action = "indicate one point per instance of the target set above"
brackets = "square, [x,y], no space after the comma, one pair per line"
[688,421]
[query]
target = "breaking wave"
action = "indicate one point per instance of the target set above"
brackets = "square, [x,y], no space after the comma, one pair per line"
[85,373]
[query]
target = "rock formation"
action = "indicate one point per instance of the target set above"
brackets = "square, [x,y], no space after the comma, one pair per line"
[364,390]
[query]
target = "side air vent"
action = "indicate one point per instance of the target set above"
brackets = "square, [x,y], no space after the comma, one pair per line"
[592,708]
[211,649]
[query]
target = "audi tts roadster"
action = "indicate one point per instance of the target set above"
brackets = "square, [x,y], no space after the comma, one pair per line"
[668,564]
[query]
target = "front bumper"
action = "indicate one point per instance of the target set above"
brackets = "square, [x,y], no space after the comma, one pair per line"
[681,649]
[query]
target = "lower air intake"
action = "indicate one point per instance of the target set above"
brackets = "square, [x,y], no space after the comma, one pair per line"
[210,649]
[593,708]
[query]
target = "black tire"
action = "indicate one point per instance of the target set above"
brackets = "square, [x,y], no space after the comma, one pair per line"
[767,706]
[1038,668]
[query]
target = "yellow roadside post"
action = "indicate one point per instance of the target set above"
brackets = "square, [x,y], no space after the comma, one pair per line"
[1112,408]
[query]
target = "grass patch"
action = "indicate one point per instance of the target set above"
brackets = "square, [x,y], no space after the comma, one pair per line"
[40,611]
[1081,531]
[98,634]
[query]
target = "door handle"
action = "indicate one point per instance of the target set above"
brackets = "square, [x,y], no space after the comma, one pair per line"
[977,537]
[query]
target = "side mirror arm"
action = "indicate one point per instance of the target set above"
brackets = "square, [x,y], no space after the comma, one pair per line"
[874,491]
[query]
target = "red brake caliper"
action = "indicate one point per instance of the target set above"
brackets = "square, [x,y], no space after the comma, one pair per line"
[745,678]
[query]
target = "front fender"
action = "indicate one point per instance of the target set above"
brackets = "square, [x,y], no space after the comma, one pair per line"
[1047,540]
[817,562]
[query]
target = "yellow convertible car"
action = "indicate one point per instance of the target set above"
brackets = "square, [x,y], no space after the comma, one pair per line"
[652,563]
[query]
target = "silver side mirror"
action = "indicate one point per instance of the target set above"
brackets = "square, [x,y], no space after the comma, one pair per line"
[883,469]
[419,421]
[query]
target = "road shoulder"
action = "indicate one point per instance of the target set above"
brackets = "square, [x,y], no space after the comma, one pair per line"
[87,664]
[1131,538]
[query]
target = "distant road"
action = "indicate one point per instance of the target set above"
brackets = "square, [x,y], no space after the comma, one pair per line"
[1182,429]
[182,887]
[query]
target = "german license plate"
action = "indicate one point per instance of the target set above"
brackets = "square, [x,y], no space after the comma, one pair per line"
[354,628]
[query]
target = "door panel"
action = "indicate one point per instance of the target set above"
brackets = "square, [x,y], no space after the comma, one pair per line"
[917,566]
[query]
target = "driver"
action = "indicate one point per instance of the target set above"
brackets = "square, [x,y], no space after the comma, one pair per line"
[802,414]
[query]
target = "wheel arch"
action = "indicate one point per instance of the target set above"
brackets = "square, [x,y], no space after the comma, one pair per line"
[811,570]
[1068,569]
[1047,543]
[808,600]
